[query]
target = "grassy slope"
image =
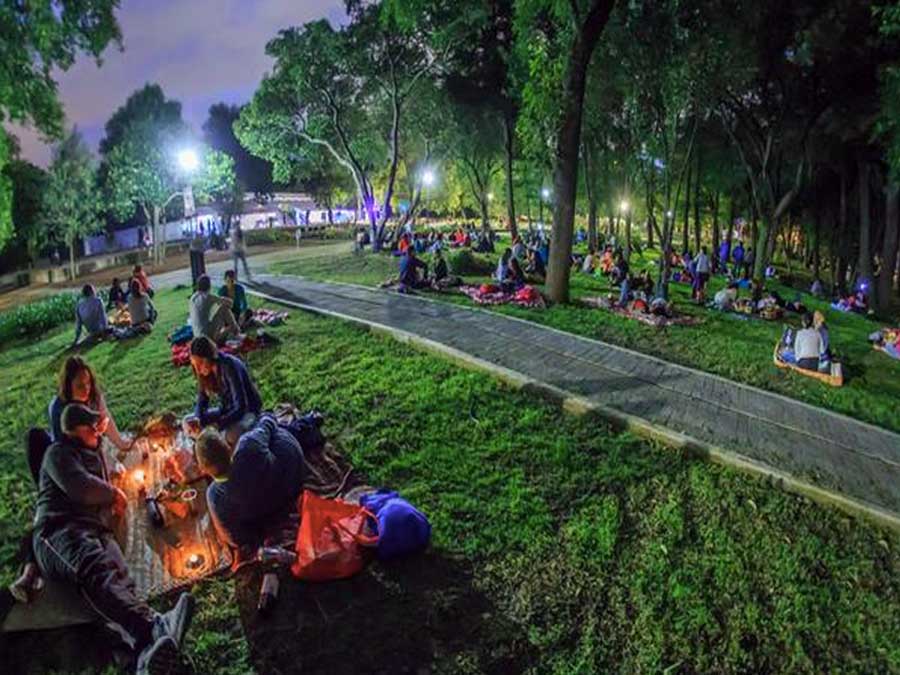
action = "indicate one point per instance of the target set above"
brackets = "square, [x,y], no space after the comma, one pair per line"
[723,344]
[575,549]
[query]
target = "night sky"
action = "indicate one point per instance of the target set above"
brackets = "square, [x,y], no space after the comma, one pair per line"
[200,52]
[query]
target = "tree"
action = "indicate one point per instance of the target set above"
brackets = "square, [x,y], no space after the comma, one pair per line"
[72,202]
[36,38]
[254,173]
[582,23]
[28,184]
[476,145]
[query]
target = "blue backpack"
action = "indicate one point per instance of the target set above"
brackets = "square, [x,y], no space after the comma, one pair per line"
[402,529]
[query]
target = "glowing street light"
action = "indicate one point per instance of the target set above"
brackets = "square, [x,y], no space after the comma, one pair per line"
[490,196]
[428,177]
[623,207]
[188,160]
[545,193]
[670,215]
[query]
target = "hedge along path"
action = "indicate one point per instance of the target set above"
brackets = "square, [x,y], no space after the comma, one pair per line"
[827,457]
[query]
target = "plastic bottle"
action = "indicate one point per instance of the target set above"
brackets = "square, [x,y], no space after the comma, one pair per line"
[276,554]
[268,593]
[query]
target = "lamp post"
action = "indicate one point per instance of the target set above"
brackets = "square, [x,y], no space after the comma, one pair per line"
[545,197]
[625,210]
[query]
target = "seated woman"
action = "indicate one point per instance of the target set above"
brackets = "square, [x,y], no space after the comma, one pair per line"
[822,328]
[117,297]
[141,310]
[235,292]
[409,271]
[536,266]
[589,262]
[254,484]
[514,279]
[807,345]
[621,269]
[440,272]
[141,277]
[226,377]
[503,266]
[725,298]
[78,384]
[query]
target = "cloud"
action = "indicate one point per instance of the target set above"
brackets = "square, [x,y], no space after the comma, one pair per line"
[200,52]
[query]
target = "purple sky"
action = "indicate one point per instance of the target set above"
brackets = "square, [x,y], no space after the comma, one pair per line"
[200,52]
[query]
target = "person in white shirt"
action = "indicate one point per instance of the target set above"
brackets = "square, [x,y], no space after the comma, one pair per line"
[807,344]
[90,315]
[210,314]
[140,309]
[701,276]
[588,265]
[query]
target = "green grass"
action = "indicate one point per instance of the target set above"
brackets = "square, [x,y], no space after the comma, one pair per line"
[723,344]
[559,546]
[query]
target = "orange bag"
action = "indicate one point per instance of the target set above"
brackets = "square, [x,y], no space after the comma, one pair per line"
[330,540]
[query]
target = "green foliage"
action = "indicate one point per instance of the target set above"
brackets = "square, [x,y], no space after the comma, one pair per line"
[559,546]
[6,193]
[148,104]
[36,318]
[216,180]
[465,262]
[72,203]
[28,183]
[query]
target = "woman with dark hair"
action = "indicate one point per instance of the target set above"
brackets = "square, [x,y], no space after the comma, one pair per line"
[78,384]
[140,308]
[225,377]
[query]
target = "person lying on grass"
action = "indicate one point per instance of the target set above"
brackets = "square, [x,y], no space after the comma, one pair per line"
[255,483]
[73,541]
[210,314]
[90,316]
[140,309]
[224,377]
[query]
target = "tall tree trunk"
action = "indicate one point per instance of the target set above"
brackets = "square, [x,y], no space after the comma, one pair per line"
[157,235]
[843,252]
[71,244]
[593,239]
[864,265]
[889,246]
[732,216]
[509,130]
[685,237]
[567,145]
[392,171]
[816,244]
[697,202]
[714,205]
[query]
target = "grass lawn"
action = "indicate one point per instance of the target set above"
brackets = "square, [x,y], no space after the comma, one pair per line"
[558,545]
[723,344]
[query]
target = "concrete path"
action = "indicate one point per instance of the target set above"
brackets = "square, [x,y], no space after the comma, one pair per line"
[817,447]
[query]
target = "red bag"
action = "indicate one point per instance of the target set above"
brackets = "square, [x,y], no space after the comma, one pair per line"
[487,289]
[330,540]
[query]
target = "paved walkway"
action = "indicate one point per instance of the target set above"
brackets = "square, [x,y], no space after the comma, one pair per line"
[819,447]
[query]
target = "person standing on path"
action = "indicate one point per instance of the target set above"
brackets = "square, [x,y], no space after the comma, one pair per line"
[239,250]
[198,261]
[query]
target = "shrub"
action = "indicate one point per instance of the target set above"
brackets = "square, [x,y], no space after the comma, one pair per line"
[465,263]
[37,317]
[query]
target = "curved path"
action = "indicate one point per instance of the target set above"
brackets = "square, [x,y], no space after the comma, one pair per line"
[765,432]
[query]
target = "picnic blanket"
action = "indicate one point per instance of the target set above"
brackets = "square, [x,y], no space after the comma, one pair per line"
[655,320]
[833,377]
[488,294]
[181,352]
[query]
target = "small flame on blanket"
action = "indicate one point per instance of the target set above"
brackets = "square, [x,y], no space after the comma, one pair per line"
[194,561]
[139,476]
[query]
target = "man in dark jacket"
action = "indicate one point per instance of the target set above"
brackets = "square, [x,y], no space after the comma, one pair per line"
[239,399]
[409,266]
[73,541]
[254,484]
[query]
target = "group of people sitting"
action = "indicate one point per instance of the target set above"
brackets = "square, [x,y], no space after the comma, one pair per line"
[256,465]
[219,316]
[741,260]
[91,314]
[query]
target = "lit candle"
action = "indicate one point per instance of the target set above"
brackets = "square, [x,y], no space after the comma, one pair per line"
[139,476]
[194,561]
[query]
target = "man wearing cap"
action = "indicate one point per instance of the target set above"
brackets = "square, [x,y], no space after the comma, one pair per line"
[73,542]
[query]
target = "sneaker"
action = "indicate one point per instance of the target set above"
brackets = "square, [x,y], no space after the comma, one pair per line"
[162,658]
[177,620]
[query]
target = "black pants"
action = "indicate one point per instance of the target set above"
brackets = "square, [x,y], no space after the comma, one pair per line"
[198,266]
[808,364]
[93,560]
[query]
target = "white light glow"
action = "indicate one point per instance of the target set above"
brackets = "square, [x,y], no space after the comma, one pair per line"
[490,196]
[670,215]
[428,177]
[624,206]
[188,160]
[545,193]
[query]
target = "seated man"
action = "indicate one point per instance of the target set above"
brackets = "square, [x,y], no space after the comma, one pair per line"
[117,297]
[235,292]
[73,541]
[254,484]
[409,270]
[90,315]
[210,314]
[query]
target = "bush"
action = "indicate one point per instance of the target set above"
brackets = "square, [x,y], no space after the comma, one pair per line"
[466,263]
[268,237]
[37,317]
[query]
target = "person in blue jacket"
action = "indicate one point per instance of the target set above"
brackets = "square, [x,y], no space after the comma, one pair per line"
[254,484]
[226,377]
[409,270]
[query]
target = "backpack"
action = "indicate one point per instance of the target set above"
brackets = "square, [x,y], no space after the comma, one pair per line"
[402,529]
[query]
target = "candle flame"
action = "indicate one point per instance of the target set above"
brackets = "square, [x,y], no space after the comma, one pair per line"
[139,476]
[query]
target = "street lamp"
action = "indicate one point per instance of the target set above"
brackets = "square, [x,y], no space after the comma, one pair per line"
[623,207]
[490,196]
[188,160]
[428,177]
[545,193]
